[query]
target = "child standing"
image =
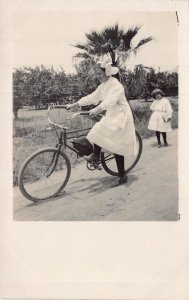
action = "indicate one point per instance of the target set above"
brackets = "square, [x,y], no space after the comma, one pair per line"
[160,120]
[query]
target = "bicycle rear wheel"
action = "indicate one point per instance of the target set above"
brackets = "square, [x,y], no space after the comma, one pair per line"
[44,174]
[109,163]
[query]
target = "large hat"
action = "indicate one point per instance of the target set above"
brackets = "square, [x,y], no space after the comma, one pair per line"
[106,63]
[157,91]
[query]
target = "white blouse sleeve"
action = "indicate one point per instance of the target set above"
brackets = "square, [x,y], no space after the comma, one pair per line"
[113,96]
[93,98]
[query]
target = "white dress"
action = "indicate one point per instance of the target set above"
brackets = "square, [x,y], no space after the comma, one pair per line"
[115,132]
[162,110]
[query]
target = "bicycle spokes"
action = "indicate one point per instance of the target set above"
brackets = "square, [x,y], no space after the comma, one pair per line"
[44,174]
[52,164]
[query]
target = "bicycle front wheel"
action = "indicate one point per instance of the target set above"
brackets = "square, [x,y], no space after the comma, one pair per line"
[109,163]
[44,174]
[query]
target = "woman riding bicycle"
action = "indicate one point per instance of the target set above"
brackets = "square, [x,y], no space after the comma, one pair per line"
[115,132]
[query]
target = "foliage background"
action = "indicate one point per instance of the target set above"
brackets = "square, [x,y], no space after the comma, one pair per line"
[37,87]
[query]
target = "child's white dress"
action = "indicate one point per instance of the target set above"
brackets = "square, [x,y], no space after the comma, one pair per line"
[162,110]
[115,132]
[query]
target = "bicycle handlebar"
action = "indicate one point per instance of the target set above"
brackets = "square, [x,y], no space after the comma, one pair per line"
[50,108]
[59,106]
[84,113]
[87,113]
[80,113]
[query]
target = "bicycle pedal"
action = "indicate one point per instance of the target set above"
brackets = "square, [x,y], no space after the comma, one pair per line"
[90,166]
[99,168]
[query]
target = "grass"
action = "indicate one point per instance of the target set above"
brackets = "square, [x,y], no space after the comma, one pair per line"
[30,134]
[30,130]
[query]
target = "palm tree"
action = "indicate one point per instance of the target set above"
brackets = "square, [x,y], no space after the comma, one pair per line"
[113,40]
[117,42]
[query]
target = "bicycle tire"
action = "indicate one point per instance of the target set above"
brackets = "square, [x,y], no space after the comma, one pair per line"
[108,169]
[31,183]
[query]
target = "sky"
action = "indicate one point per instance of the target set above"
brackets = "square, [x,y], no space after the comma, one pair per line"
[47,37]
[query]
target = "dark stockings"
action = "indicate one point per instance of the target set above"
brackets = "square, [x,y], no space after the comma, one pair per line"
[118,158]
[158,137]
[96,150]
[164,137]
[120,164]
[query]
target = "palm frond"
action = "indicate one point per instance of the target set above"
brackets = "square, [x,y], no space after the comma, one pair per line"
[129,35]
[97,42]
[141,43]
[82,55]
[95,38]
[98,39]
[81,46]
[108,40]
[114,33]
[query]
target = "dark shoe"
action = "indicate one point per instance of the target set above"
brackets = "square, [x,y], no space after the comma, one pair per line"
[93,159]
[122,180]
[159,145]
[166,144]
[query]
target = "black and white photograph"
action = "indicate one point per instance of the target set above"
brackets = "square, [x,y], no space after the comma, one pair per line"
[95,116]
[94,101]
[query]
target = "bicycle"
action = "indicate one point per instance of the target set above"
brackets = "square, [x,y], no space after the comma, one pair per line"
[46,172]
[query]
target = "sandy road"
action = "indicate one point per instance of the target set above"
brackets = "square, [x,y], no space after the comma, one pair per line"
[151,193]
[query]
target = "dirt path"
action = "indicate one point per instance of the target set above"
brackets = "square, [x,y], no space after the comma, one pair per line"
[151,193]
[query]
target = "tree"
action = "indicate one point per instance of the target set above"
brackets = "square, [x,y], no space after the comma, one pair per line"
[118,43]
[86,78]
[151,83]
[38,86]
[134,82]
[20,95]
[168,82]
[113,40]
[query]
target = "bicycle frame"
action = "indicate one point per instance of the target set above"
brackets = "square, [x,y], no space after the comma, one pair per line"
[47,165]
[63,141]
[65,134]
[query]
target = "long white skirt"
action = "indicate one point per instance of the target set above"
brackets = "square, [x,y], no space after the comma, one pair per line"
[115,132]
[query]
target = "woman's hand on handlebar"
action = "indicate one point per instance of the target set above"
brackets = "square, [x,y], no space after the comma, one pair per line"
[69,106]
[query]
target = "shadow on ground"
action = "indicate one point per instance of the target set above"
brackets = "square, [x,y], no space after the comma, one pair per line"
[92,186]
